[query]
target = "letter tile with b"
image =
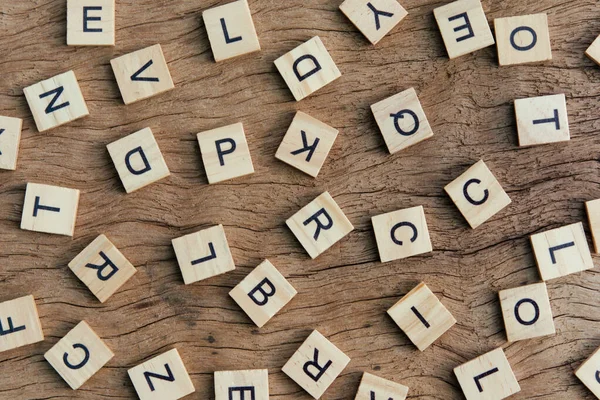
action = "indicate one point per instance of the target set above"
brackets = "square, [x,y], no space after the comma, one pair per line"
[19,323]
[242,385]
[10,138]
[523,39]
[542,120]
[50,209]
[375,388]
[90,22]
[374,18]
[589,373]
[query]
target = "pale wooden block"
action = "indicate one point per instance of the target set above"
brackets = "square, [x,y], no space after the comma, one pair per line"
[263,293]
[10,138]
[79,355]
[589,374]
[374,18]
[316,364]
[138,160]
[231,30]
[542,120]
[421,316]
[56,101]
[19,323]
[464,27]
[477,194]
[102,268]
[203,254]
[307,68]
[142,74]
[527,312]
[319,225]
[373,387]
[523,39]
[487,377]
[401,234]
[243,385]
[561,251]
[593,52]
[225,153]
[593,212]
[306,144]
[50,209]
[90,22]
[163,377]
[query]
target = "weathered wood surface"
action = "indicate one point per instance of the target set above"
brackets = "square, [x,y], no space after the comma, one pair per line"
[346,291]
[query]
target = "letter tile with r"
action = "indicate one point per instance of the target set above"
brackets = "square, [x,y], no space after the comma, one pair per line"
[242,385]
[589,373]
[374,18]
[90,22]
[10,138]
[19,323]
[50,209]
[542,120]
[523,39]
[375,388]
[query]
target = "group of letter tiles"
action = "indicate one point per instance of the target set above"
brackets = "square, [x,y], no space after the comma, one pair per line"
[319,225]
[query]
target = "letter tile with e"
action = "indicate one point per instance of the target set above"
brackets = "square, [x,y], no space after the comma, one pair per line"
[375,388]
[244,385]
[50,209]
[90,22]
[374,18]
[19,323]
[523,39]
[10,138]
[542,120]
[589,373]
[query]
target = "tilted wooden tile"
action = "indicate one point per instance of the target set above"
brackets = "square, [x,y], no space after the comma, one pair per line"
[225,153]
[10,138]
[477,194]
[464,27]
[527,312]
[589,373]
[138,160]
[523,39]
[374,18]
[306,144]
[203,254]
[50,209]
[373,387]
[593,212]
[316,364]
[263,293]
[542,120]
[593,52]
[319,225]
[102,268]
[142,74]
[56,101]
[243,385]
[307,68]
[90,22]
[163,377]
[19,323]
[231,30]
[561,251]
[487,377]
[421,316]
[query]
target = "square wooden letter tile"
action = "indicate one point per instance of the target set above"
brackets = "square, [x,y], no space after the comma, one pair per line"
[163,377]
[488,377]
[10,137]
[306,144]
[102,268]
[142,74]
[523,39]
[319,225]
[373,387]
[138,160]
[243,385]
[316,364]
[91,22]
[50,209]
[593,212]
[526,311]
[307,68]
[374,18]
[79,355]
[542,120]
[231,30]
[464,27]
[263,293]
[562,251]
[56,101]
[589,374]
[477,194]
[593,52]
[225,153]
[421,316]
[19,323]
[203,254]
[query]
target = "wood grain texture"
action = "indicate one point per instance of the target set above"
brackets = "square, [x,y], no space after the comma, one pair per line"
[346,291]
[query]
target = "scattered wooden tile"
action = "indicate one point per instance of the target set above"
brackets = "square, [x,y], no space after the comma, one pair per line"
[245,385]
[316,364]
[19,323]
[203,254]
[477,194]
[561,251]
[90,22]
[10,137]
[231,30]
[307,68]
[306,144]
[374,18]
[163,377]
[542,120]
[142,74]
[319,225]
[138,160]
[421,316]
[527,312]
[589,373]
[373,387]
[593,212]
[593,52]
[523,39]
[225,153]
[464,27]
[56,101]
[50,209]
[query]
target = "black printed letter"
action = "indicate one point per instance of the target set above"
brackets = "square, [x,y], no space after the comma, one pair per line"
[86,357]
[227,38]
[377,14]
[523,48]
[265,294]
[400,225]
[486,193]
[320,225]
[140,151]
[221,152]
[242,390]
[311,149]
[466,26]
[52,106]
[107,264]
[400,115]
[313,71]
[87,18]
[37,206]
[536,309]
[169,377]
[315,363]
[11,328]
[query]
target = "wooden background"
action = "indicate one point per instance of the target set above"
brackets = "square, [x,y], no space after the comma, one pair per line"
[345,292]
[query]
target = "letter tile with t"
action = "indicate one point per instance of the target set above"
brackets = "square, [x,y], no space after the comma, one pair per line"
[10,138]
[242,385]
[316,364]
[589,373]
[90,22]
[523,39]
[374,18]
[50,209]
[19,323]
[542,120]
[375,388]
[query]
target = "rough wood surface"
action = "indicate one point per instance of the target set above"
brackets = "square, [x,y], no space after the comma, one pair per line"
[345,292]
